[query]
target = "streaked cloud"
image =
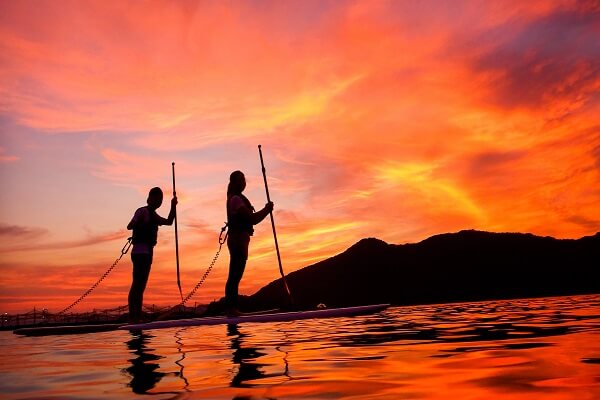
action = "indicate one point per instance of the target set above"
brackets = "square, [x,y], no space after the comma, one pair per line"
[550,61]
[15,232]
[6,158]
[18,239]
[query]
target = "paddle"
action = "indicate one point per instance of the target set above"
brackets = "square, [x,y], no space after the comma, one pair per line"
[287,289]
[176,236]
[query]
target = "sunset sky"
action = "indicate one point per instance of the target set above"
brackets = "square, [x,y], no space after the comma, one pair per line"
[390,119]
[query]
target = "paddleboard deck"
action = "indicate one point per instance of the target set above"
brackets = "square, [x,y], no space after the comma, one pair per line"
[260,317]
[90,328]
[66,329]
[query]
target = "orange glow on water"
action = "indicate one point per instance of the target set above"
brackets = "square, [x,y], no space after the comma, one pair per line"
[518,349]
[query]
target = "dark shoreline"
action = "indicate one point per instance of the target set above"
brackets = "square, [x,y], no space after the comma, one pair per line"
[467,266]
[453,267]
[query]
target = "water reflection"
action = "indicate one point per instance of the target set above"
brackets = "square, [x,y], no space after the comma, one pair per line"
[505,350]
[179,362]
[470,322]
[244,357]
[280,349]
[143,371]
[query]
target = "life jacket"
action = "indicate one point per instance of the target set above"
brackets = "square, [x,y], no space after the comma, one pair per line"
[148,233]
[237,222]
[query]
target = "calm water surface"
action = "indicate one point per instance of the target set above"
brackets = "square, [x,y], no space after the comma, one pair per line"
[519,349]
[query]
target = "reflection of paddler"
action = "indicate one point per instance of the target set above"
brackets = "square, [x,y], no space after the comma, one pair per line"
[244,357]
[143,371]
[145,223]
[240,219]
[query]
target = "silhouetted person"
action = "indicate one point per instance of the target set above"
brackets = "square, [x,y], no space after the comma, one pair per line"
[241,219]
[145,223]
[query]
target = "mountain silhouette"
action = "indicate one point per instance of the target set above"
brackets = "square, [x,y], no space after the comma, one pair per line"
[465,266]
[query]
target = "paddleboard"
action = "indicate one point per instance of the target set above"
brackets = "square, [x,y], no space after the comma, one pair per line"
[80,329]
[262,316]
[269,317]
[66,329]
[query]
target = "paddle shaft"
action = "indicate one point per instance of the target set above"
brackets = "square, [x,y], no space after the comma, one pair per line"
[176,236]
[264,172]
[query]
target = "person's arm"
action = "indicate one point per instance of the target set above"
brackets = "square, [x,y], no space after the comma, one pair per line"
[140,217]
[256,217]
[169,220]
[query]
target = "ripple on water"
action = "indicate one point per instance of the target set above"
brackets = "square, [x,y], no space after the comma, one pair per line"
[515,349]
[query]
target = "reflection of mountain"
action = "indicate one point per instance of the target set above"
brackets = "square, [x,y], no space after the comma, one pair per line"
[468,265]
[142,370]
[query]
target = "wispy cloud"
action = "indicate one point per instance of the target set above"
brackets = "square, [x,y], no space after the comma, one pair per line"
[551,61]
[16,232]
[6,158]
[18,239]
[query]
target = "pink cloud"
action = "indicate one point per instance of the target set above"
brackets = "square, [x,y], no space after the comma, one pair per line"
[5,158]
[15,232]
[550,59]
[19,239]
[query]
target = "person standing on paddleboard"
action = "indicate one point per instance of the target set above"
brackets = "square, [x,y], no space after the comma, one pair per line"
[241,219]
[145,223]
